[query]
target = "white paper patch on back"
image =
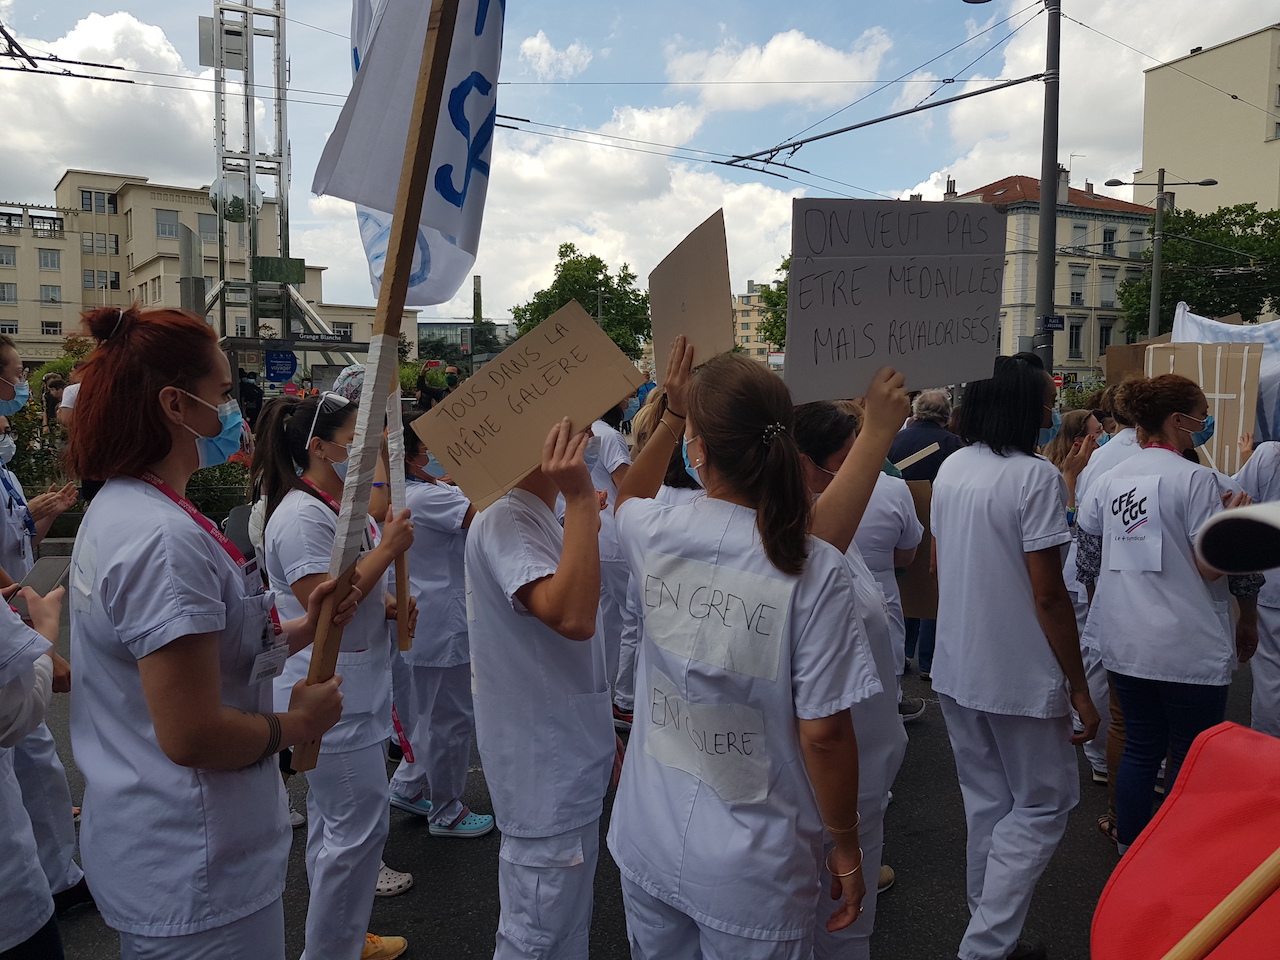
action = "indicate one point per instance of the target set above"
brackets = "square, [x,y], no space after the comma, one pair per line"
[84,567]
[1131,523]
[722,744]
[715,614]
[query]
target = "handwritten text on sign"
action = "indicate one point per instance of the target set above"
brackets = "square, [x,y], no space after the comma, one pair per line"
[911,285]
[489,432]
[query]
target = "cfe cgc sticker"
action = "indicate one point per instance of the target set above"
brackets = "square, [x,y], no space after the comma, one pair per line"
[1132,525]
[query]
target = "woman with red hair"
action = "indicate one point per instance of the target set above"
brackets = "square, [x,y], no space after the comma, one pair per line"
[185,828]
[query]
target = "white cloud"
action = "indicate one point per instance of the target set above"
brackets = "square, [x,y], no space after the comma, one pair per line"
[724,73]
[548,63]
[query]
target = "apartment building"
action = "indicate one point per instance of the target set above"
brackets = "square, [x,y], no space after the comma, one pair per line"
[748,311]
[1100,243]
[40,297]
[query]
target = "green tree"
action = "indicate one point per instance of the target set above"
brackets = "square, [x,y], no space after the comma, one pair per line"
[621,309]
[773,328]
[484,337]
[1201,269]
[404,349]
[438,348]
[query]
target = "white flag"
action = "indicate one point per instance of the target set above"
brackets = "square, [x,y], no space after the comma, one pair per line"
[362,159]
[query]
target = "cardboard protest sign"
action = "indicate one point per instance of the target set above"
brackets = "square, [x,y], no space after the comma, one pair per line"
[690,294]
[908,284]
[489,432]
[919,587]
[1229,375]
[1125,360]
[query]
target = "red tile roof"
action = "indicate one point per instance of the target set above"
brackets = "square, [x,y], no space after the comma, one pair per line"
[1027,190]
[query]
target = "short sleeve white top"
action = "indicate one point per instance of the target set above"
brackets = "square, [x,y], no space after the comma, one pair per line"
[889,523]
[1153,615]
[168,850]
[1260,479]
[544,723]
[674,496]
[613,454]
[437,574]
[15,540]
[1115,451]
[298,542]
[69,396]
[715,813]
[988,513]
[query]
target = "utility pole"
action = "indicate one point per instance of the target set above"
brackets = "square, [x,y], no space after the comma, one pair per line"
[1047,258]
[1157,236]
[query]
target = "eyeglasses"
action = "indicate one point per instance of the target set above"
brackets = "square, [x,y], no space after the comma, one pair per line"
[326,401]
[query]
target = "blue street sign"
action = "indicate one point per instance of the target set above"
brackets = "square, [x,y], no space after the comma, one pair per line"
[1055,321]
[281,365]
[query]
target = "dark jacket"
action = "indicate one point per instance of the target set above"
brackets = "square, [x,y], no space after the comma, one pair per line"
[917,435]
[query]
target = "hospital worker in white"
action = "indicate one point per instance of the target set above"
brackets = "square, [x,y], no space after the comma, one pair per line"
[543,722]
[745,747]
[1008,668]
[1260,479]
[440,716]
[826,436]
[1162,619]
[347,813]
[28,929]
[185,832]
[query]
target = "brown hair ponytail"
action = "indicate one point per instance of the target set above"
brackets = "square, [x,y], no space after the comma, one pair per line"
[745,418]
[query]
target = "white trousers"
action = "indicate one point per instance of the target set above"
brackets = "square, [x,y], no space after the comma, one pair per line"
[47,798]
[259,936]
[545,893]
[624,687]
[1019,780]
[614,575]
[1266,673]
[347,822]
[854,941]
[438,719]
[658,931]
[1095,750]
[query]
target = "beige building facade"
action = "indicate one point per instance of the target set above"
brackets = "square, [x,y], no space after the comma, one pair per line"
[1196,131]
[748,311]
[112,240]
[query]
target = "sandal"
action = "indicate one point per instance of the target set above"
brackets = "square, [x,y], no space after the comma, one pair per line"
[1107,827]
[392,883]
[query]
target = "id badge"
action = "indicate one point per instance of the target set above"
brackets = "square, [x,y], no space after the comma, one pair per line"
[269,664]
[252,578]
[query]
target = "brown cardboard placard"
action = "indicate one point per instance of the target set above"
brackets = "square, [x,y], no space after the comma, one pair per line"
[489,432]
[1124,360]
[690,294]
[919,587]
[1229,374]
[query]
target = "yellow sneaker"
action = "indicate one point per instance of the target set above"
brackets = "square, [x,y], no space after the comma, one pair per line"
[382,948]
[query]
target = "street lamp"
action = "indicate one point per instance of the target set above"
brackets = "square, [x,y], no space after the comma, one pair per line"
[1046,258]
[1157,239]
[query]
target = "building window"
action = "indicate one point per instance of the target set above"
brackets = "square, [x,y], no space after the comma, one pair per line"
[51,328]
[8,293]
[167,223]
[50,227]
[208,227]
[87,279]
[114,282]
[1104,337]
[1077,286]
[50,259]
[111,203]
[1079,232]
[99,202]
[11,223]
[113,243]
[50,293]
[9,327]
[1109,242]
[343,331]
[8,256]
[242,326]
[1075,335]
[746,326]
[744,339]
[128,224]
[86,242]
[102,279]
[761,351]
[1137,240]
[1107,291]
[86,200]
[100,244]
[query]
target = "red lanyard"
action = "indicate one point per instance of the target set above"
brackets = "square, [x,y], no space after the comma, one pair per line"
[336,507]
[1163,446]
[208,526]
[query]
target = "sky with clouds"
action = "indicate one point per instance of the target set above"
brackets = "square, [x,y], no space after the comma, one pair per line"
[633,104]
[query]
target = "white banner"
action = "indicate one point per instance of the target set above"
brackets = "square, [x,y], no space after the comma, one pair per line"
[361,161]
[1189,328]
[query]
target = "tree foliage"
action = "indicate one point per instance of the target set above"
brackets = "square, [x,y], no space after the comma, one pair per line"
[1200,267]
[623,309]
[484,337]
[773,328]
[438,348]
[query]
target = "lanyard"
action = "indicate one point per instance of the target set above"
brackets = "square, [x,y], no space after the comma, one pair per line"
[336,507]
[207,525]
[16,497]
[1162,446]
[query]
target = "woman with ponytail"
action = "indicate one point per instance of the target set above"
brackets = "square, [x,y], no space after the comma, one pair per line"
[185,832]
[747,668]
[298,445]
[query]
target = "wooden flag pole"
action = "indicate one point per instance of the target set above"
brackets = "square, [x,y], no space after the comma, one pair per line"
[414,172]
[1234,909]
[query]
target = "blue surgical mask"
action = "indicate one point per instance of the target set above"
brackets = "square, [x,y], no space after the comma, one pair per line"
[8,447]
[21,394]
[1048,433]
[592,453]
[688,467]
[434,467]
[341,468]
[219,448]
[1205,433]
[1103,437]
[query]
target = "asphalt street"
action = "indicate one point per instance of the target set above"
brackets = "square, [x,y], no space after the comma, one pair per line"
[452,910]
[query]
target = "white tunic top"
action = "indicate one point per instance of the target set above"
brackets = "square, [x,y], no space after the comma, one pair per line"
[168,850]
[1154,616]
[989,512]
[889,523]
[298,542]
[15,539]
[1260,479]
[613,454]
[1118,449]
[437,576]
[715,814]
[544,723]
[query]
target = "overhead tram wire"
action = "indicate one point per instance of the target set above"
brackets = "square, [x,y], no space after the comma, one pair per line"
[991,49]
